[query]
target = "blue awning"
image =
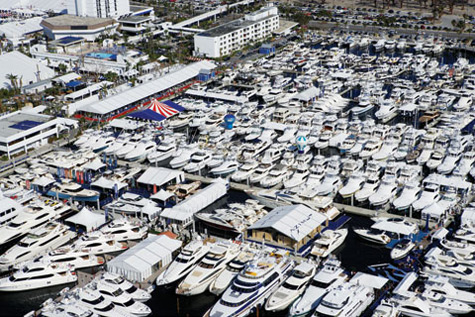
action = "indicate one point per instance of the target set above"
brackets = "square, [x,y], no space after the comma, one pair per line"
[74,83]
[174,105]
[147,114]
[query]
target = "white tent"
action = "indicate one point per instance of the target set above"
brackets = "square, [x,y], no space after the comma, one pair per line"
[468,216]
[105,183]
[87,219]
[142,260]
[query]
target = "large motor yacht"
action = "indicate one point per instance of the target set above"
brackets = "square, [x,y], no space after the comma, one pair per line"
[328,242]
[253,285]
[126,286]
[215,261]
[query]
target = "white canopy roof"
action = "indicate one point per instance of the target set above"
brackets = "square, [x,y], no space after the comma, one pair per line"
[94,165]
[201,199]
[88,219]
[108,183]
[404,228]
[136,264]
[126,124]
[162,195]
[449,181]
[468,216]
[307,94]
[295,221]
[66,78]
[369,280]
[43,181]
[148,89]
[217,95]
[160,176]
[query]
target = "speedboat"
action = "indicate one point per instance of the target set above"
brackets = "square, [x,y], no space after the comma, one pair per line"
[328,242]
[186,261]
[126,286]
[225,278]
[327,278]
[215,261]
[253,285]
[120,298]
[183,155]
[140,152]
[292,288]
[345,300]
[373,235]
[38,241]
[37,275]
[402,249]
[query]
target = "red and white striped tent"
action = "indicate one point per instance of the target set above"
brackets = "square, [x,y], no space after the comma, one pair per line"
[163,109]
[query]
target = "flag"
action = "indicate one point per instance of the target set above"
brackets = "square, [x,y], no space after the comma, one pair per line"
[154,188]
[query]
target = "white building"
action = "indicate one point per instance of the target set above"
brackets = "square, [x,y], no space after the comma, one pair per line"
[24,130]
[226,38]
[99,8]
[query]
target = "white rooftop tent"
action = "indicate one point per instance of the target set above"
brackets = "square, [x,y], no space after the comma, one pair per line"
[108,184]
[294,221]
[66,78]
[160,176]
[87,219]
[307,95]
[184,211]
[140,261]
[468,216]
[94,165]
[369,280]
[148,89]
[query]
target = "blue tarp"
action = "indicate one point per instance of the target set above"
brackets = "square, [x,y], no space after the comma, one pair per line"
[174,105]
[25,125]
[469,127]
[74,83]
[147,114]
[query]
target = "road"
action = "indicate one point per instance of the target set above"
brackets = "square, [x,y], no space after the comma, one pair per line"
[378,29]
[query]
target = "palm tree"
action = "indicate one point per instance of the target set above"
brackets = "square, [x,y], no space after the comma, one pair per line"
[13,80]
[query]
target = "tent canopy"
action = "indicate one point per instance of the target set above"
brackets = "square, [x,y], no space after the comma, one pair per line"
[108,183]
[87,219]
[158,111]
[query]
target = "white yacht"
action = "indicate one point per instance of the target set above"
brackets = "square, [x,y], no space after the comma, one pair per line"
[369,188]
[292,288]
[119,142]
[215,261]
[32,216]
[68,256]
[94,301]
[355,182]
[371,147]
[416,307]
[387,111]
[183,155]
[141,151]
[402,249]
[245,171]
[71,190]
[429,195]
[385,192]
[198,161]
[9,209]
[126,286]
[298,177]
[276,176]
[37,275]
[409,194]
[345,300]
[163,152]
[38,241]
[229,166]
[328,277]
[98,243]
[253,285]
[373,235]
[225,278]
[120,298]
[459,275]
[123,229]
[186,261]
[440,284]
[66,310]
[260,173]
[328,242]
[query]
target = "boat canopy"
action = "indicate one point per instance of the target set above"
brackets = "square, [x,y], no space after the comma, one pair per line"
[87,219]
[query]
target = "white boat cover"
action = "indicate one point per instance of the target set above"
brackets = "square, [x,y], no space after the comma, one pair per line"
[140,261]
[161,176]
[108,184]
[87,219]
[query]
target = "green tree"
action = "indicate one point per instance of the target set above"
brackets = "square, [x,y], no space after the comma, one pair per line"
[13,81]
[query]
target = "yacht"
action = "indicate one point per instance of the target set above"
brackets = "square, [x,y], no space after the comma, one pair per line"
[73,191]
[245,171]
[402,249]
[118,143]
[120,298]
[373,235]
[438,300]
[371,147]
[136,293]
[183,155]
[186,261]
[345,300]
[387,111]
[429,195]
[440,284]
[9,209]
[459,275]
[37,275]
[38,241]
[276,176]
[93,300]
[123,229]
[355,182]
[215,261]
[98,243]
[369,188]
[198,161]
[68,256]
[298,177]
[416,307]
[229,166]
[260,173]
[292,288]
[226,277]
[328,242]
[328,277]
[163,152]
[141,151]
[30,217]
[386,191]
[66,310]
[253,285]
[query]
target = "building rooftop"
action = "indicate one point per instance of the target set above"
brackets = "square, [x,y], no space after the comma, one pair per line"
[135,19]
[73,20]
[19,122]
